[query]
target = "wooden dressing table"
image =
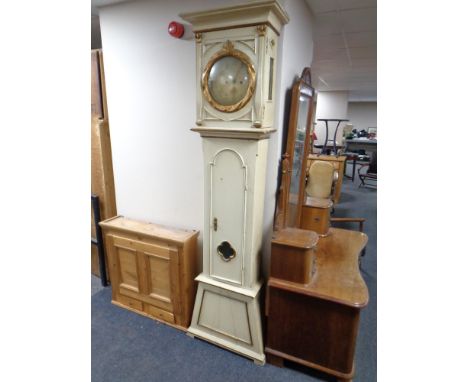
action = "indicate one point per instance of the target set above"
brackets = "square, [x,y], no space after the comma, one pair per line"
[315,291]
[316,324]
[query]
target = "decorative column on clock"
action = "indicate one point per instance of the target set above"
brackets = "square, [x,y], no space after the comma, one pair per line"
[236,63]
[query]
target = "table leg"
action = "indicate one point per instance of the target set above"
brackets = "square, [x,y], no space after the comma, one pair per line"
[324,149]
[334,138]
[354,169]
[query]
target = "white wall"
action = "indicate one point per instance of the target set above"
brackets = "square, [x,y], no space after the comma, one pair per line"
[362,115]
[95,33]
[150,80]
[331,105]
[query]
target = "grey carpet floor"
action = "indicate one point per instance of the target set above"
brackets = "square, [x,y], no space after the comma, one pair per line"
[127,347]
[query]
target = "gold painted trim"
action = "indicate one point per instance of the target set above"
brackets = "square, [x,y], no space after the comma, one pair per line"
[198,37]
[239,26]
[229,50]
[261,29]
[221,254]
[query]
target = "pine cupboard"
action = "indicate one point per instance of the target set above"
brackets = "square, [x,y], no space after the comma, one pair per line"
[152,269]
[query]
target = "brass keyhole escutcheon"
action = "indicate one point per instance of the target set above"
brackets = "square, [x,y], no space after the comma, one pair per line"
[226,251]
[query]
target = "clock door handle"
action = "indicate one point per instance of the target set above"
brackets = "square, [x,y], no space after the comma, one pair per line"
[215,224]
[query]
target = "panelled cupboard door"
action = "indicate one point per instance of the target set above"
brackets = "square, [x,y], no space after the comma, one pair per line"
[146,272]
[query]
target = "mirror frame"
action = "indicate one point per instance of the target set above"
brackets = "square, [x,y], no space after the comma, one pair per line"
[302,87]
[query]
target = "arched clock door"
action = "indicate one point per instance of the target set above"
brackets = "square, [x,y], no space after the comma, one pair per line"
[228,209]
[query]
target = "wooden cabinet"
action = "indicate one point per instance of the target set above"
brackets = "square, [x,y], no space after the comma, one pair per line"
[316,215]
[292,254]
[152,269]
[316,324]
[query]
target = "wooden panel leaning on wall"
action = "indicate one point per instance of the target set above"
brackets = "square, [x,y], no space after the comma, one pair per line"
[152,269]
[102,176]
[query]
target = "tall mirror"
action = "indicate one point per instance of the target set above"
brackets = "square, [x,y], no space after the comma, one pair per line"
[298,142]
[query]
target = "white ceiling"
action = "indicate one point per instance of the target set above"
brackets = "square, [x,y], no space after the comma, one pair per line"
[345,47]
[95,4]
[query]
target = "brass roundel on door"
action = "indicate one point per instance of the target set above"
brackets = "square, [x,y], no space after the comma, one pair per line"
[226,251]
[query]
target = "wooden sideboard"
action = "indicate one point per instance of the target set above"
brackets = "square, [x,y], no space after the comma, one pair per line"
[152,269]
[316,324]
[339,164]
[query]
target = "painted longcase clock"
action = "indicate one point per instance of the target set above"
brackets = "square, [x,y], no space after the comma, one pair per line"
[236,51]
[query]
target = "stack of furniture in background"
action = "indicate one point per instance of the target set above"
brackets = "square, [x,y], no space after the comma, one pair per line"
[368,172]
[359,146]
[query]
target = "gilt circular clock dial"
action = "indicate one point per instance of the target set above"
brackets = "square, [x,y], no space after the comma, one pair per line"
[228,79]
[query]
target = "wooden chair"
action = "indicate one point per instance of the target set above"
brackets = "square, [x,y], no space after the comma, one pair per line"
[320,180]
[319,187]
[350,158]
[368,172]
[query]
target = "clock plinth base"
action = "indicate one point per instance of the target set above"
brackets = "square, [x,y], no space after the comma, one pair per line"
[229,317]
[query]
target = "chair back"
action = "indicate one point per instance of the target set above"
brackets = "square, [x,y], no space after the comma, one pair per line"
[320,180]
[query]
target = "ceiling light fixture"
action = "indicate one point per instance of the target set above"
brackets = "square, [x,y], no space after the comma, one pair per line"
[323,81]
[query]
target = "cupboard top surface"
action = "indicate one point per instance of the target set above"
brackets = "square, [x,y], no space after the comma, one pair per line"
[151,230]
[295,237]
[337,276]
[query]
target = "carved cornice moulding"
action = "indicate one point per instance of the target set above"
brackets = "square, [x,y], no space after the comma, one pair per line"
[255,13]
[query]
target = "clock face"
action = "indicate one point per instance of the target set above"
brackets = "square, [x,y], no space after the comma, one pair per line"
[228,80]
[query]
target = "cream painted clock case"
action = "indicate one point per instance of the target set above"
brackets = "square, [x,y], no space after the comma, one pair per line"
[236,62]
